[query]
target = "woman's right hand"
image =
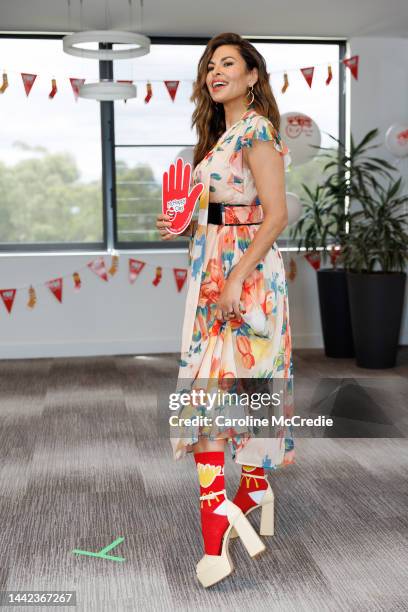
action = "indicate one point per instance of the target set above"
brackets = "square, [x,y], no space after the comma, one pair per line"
[163,221]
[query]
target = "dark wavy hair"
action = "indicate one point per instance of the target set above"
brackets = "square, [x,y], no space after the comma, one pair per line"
[210,122]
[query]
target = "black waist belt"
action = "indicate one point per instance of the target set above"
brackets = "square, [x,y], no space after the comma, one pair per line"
[215,213]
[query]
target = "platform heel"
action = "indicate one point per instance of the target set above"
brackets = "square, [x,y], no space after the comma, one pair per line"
[267,505]
[213,568]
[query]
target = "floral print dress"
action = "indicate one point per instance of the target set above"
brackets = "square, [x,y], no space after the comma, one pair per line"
[215,353]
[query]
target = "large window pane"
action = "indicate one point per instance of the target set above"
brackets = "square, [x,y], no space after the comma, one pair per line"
[50,150]
[163,122]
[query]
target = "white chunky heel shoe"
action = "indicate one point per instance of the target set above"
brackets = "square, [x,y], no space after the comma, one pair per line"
[213,568]
[267,505]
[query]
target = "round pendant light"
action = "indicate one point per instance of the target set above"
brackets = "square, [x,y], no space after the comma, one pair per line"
[107,90]
[72,41]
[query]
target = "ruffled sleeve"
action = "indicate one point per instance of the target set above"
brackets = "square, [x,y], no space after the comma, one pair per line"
[259,128]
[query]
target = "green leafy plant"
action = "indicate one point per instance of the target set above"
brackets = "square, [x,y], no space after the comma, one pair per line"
[379,232]
[326,220]
[315,228]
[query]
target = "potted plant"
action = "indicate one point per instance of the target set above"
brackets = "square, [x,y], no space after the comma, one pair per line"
[374,255]
[317,228]
[323,229]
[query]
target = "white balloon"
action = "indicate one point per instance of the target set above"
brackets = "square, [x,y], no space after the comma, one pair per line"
[396,139]
[299,131]
[186,155]
[294,206]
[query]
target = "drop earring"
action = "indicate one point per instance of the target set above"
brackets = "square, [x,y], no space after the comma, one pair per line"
[251,92]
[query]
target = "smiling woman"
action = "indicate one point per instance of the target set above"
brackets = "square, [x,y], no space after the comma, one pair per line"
[237,278]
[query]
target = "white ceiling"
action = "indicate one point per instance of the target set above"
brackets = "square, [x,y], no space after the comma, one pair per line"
[296,18]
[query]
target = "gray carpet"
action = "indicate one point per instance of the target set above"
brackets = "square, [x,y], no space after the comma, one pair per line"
[83,462]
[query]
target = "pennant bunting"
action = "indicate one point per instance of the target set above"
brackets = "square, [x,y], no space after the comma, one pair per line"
[8,295]
[180,275]
[28,81]
[135,267]
[55,286]
[352,63]
[76,84]
[172,88]
[98,266]
[308,74]
[313,259]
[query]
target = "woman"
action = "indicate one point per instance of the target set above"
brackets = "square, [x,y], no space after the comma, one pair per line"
[236,323]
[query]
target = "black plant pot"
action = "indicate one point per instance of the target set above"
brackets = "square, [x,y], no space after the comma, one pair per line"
[376,301]
[335,313]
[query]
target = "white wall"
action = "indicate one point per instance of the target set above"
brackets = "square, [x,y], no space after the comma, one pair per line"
[380,98]
[115,317]
[120,318]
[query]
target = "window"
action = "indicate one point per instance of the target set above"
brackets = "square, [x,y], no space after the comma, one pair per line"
[50,151]
[150,136]
[59,192]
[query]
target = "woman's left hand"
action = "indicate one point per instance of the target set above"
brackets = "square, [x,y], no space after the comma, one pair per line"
[228,304]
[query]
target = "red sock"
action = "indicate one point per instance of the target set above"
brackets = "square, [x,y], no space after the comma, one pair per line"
[214,521]
[251,490]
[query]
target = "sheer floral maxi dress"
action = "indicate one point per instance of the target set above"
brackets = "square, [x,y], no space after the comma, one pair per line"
[215,351]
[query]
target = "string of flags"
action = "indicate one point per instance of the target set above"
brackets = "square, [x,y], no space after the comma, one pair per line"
[314,258]
[172,86]
[135,267]
[98,266]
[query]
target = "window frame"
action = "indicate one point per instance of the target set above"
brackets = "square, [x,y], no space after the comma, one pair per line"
[108,145]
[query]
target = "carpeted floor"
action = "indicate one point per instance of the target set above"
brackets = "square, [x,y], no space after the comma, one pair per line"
[84,461]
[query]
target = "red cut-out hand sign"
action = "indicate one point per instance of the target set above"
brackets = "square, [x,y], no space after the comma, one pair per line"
[176,201]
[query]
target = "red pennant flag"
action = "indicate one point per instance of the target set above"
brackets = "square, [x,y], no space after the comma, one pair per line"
[313,259]
[8,296]
[172,88]
[308,74]
[352,63]
[180,275]
[55,286]
[98,266]
[53,89]
[28,80]
[76,84]
[158,276]
[135,267]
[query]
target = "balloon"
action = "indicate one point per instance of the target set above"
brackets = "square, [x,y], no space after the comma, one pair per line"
[299,131]
[396,139]
[294,206]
